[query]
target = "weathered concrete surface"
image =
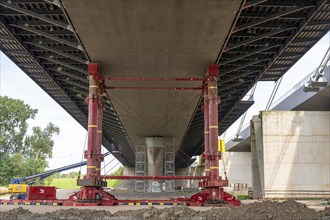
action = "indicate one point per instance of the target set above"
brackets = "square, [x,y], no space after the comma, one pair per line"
[292,149]
[256,157]
[153,39]
[237,166]
[155,156]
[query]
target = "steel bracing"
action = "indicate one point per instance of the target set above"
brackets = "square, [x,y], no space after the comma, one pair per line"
[266,40]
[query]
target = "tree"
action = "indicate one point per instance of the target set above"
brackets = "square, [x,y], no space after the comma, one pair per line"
[14,114]
[40,143]
[119,172]
[57,175]
[73,174]
[20,154]
[6,168]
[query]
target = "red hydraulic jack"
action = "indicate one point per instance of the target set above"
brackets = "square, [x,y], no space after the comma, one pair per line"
[213,193]
[92,193]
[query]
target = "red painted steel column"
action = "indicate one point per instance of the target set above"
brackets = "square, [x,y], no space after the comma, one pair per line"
[206,131]
[100,108]
[90,154]
[213,129]
[89,190]
[92,192]
[214,185]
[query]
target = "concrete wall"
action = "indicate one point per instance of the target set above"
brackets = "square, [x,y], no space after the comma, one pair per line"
[238,167]
[291,154]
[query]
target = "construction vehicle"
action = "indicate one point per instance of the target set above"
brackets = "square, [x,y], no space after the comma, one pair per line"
[19,187]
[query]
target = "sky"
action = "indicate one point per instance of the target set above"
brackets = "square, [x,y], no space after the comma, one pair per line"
[70,143]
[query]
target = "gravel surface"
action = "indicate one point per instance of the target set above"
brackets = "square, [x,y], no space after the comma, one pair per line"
[259,210]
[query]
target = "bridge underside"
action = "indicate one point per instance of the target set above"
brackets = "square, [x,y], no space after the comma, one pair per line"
[249,40]
[143,39]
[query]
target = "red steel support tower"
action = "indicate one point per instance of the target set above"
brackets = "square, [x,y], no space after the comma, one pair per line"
[214,185]
[91,192]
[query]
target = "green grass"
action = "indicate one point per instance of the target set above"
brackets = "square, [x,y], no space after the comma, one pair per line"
[71,183]
[113,183]
[242,197]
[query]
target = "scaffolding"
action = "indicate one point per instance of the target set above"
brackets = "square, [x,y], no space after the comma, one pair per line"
[141,166]
[169,167]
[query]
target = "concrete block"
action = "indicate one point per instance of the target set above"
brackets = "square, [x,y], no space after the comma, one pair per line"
[291,152]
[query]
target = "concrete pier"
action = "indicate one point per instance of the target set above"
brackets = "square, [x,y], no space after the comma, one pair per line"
[291,154]
[155,155]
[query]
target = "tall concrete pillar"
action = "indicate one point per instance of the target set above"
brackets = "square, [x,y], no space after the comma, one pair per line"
[155,156]
[256,180]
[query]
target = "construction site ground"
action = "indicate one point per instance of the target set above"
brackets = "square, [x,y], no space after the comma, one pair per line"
[250,209]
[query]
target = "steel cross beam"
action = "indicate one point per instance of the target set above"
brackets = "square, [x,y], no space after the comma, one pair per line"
[153,88]
[301,25]
[152,79]
[244,65]
[63,64]
[258,37]
[155,177]
[271,17]
[52,49]
[49,36]
[230,60]
[69,74]
[38,16]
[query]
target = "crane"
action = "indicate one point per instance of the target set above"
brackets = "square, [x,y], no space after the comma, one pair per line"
[19,186]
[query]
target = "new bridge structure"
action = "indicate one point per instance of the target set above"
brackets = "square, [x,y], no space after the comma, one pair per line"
[296,99]
[155,62]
